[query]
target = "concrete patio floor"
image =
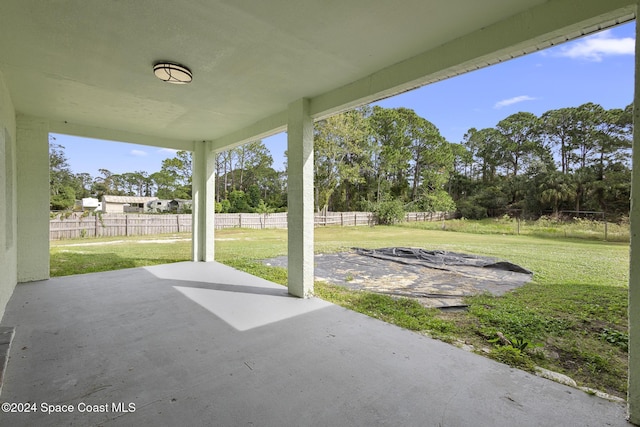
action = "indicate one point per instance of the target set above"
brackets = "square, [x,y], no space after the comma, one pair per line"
[201,344]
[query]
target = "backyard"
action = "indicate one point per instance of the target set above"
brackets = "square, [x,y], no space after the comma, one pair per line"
[571,318]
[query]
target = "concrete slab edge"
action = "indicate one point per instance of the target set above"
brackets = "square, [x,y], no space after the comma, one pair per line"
[6,337]
[556,377]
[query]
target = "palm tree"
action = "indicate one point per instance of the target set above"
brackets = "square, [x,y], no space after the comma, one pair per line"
[556,189]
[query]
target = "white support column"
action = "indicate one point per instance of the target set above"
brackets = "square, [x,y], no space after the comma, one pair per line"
[32,179]
[300,199]
[203,191]
[633,394]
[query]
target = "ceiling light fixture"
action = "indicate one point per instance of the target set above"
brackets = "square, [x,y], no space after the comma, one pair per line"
[171,72]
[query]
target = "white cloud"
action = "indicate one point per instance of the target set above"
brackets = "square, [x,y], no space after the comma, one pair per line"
[596,47]
[514,100]
[138,153]
[167,151]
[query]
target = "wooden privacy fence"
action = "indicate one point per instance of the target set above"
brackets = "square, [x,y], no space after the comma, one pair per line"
[118,225]
[279,220]
[140,224]
[368,218]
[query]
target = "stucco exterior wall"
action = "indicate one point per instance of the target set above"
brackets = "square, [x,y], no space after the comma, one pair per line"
[32,197]
[8,226]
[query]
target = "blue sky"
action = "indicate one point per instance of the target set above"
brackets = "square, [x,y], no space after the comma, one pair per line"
[598,68]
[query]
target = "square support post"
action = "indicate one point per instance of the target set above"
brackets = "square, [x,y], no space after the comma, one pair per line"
[32,179]
[633,393]
[203,207]
[300,199]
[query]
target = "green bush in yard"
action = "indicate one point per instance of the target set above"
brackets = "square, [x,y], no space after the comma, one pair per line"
[389,212]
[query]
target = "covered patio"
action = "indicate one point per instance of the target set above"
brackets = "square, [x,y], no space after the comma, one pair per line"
[86,68]
[203,344]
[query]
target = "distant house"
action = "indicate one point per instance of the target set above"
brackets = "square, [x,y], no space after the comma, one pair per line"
[121,204]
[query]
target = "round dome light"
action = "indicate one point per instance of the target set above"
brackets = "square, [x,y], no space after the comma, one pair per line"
[172,73]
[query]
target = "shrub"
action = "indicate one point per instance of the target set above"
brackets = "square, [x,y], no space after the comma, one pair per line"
[389,212]
[471,210]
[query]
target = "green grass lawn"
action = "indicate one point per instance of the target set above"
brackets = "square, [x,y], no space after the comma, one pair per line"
[544,227]
[104,254]
[571,318]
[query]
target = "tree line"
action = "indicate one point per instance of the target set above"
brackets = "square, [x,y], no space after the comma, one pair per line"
[575,159]
[245,180]
[172,181]
[391,160]
[572,159]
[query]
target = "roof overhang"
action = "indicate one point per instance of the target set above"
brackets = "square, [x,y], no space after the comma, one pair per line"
[87,66]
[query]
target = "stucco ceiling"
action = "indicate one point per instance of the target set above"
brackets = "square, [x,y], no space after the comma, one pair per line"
[89,62]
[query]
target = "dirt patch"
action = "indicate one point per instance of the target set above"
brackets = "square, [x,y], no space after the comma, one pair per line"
[433,283]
